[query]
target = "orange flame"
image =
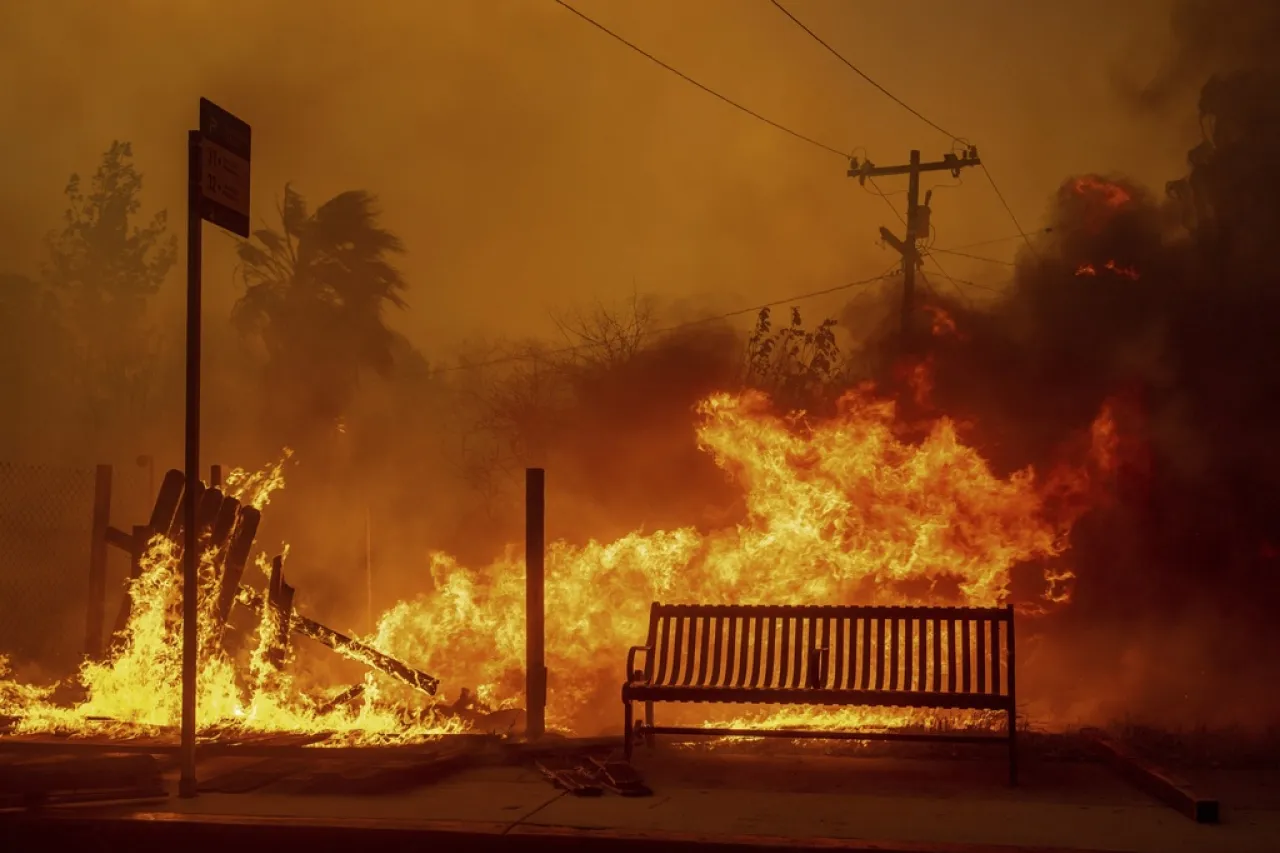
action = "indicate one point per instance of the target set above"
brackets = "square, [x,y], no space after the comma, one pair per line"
[837,510]
[1104,446]
[944,325]
[1110,194]
[1121,270]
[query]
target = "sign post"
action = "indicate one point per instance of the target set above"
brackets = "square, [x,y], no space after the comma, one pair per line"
[217,190]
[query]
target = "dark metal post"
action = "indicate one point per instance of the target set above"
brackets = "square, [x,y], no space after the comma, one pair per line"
[1012,669]
[98,562]
[535,603]
[190,553]
[215,476]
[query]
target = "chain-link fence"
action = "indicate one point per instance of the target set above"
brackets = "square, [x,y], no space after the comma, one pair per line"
[46,518]
[46,529]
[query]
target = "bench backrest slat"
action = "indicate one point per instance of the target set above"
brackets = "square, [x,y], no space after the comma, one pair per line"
[895,649]
[840,679]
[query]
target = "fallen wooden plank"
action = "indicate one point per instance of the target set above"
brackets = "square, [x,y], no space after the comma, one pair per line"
[348,647]
[280,598]
[346,697]
[223,526]
[176,531]
[1153,779]
[241,544]
[167,500]
[207,511]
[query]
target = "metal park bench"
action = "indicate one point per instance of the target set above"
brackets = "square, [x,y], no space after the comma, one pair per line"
[896,657]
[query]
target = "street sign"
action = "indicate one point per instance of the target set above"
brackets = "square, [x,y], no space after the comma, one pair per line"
[217,191]
[224,168]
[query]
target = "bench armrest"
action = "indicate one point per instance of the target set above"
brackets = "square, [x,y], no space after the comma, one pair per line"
[631,661]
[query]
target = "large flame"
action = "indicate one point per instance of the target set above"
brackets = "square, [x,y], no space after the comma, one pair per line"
[841,510]
[838,511]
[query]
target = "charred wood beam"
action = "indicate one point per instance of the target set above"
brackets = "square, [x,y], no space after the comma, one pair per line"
[348,647]
[223,526]
[138,547]
[207,512]
[176,531]
[346,697]
[167,500]
[1154,780]
[280,599]
[238,549]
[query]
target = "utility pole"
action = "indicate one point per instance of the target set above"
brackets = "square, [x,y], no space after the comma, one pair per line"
[917,215]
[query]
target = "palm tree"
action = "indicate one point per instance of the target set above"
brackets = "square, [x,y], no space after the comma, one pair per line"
[314,295]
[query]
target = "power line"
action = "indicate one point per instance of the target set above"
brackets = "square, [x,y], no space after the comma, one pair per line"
[960,254]
[954,138]
[967,283]
[1009,210]
[954,283]
[593,22]
[864,75]
[993,241]
[755,309]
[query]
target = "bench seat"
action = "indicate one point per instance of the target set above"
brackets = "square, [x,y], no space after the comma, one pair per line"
[934,658]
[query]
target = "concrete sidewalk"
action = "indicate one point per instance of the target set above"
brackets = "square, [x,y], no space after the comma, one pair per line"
[730,801]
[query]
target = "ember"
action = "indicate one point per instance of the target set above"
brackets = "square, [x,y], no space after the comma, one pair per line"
[1110,194]
[1111,266]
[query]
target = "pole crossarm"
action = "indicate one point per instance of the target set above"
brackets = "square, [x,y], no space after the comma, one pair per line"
[917,217]
[950,162]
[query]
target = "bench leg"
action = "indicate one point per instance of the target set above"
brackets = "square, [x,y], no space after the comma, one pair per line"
[648,721]
[1013,748]
[628,730]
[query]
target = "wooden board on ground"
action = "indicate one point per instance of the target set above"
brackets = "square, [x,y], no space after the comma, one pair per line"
[1153,779]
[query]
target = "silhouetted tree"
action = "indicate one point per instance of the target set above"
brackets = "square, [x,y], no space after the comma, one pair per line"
[103,268]
[800,369]
[32,361]
[315,290]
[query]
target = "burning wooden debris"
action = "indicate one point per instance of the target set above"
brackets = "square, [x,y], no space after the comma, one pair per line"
[228,529]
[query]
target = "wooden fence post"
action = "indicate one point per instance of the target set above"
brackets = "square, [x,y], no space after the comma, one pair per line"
[98,562]
[535,602]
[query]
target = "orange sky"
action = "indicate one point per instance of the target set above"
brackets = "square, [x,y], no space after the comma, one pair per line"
[531,163]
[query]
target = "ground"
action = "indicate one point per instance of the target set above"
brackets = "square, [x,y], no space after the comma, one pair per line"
[1062,802]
